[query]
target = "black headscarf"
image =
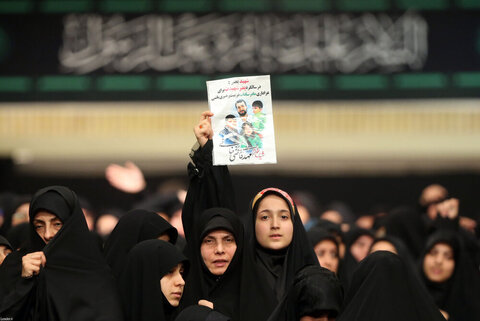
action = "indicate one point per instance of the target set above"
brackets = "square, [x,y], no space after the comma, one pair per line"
[9,202]
[348,264]
[459,296]
[200,313]
[407,224]
[277,269]
[4,241]
[222,290]
[401,249]
[132,228]
[19,235]
[383,288]
[317,234]
[315,290]
[75,284]
[140,288]
[333,228]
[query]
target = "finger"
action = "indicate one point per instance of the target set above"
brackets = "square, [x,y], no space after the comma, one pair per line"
[35,262]
[35,268]
[33,265]
[205,115]
[44,259]
[130,164]
[112,169]
[36,257]
[204,124]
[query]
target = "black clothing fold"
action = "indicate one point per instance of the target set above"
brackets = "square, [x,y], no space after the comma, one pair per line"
[315,291]
[4,241]
[18,235]
[200,313]
[383,288]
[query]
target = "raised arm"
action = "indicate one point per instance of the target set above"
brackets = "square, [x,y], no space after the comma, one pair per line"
[210,186]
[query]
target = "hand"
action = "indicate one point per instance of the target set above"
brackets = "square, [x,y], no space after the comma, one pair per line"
[128,178]
[448,208]
[31,264]
[468,223]
[203,130]
[445,314]
[206,303]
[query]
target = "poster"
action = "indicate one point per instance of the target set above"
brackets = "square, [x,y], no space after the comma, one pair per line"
[242,123]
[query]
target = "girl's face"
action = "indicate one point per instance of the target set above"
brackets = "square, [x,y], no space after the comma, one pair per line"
[273,223]
[439,263]
[327,254]
[359,249]
[172,285]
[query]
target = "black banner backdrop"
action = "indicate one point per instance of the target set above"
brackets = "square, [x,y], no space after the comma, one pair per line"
[310,56]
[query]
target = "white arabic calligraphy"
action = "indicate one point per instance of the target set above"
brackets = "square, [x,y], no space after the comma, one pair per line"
[262,43]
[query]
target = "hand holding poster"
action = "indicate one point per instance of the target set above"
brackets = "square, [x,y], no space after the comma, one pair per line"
[243,120]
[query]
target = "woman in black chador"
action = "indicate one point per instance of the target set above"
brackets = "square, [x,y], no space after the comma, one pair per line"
[134,227]
[451,277]
[152,283]
[384,288]
[316,294]
[61,274]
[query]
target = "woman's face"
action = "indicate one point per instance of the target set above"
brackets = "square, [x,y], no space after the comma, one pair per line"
[218,249]
[172,285]
[46,225]
[361,246]
[439,263]
[273,223]
[327,254]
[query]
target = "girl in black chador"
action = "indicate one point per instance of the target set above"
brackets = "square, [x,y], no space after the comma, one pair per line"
[384,288]
[152,283]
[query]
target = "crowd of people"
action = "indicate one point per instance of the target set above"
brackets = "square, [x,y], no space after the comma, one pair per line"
[189,255]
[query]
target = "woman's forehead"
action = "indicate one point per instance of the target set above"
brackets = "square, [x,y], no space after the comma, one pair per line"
[442,246]
[46,216]
[219,233]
